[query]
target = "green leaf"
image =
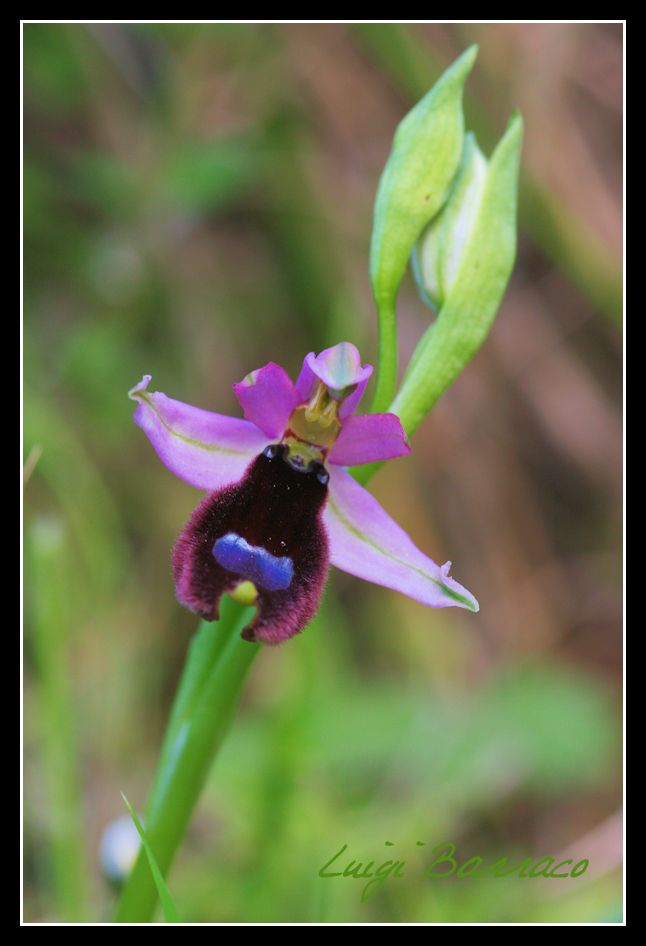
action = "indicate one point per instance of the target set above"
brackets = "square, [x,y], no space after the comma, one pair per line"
[170,910]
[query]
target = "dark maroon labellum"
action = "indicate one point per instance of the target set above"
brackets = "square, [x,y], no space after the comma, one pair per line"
[266,528]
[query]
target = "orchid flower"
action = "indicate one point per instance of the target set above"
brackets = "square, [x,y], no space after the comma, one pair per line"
[281,507]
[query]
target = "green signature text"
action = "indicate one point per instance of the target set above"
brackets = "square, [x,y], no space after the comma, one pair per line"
[445,863]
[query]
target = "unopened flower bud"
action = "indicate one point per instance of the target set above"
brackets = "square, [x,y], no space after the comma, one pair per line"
[119,849]
[437,254]
[418,174]
[462,265]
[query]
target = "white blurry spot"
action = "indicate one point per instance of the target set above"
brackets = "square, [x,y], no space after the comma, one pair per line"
[118,848]
[48,534]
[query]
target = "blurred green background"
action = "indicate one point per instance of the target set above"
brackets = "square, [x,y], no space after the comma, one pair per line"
[197,202]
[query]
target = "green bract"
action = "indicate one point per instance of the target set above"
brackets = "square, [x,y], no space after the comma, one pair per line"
[437,255]
[417,177]
[414,186]
[463,263]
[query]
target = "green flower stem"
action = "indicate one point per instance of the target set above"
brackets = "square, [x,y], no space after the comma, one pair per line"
[216,667]
[438,359]
[387,356]
[365,472]
[207,696]
[443,351]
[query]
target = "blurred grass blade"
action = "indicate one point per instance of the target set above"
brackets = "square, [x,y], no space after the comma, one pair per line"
[168,906]
[50,626]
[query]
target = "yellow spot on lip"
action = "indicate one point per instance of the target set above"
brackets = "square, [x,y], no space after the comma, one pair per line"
[245,593]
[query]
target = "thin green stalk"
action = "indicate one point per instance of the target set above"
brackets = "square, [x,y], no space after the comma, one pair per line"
[443,350]
[407,407]
[364,473]
[215,670]
[387,354]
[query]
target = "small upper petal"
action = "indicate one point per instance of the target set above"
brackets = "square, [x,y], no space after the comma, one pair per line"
[205,449]
[338,368]
[366,542]
[369,438]
[268,397]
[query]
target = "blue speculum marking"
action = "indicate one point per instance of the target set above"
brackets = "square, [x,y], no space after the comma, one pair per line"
[271,572]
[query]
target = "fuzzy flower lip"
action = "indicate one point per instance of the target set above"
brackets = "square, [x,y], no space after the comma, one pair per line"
[214,452]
